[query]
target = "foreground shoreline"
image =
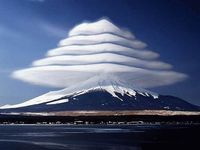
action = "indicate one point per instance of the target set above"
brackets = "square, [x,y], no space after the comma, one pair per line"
[107,113]
[102,117]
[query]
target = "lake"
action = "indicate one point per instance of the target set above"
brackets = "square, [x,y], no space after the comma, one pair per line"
[99,137]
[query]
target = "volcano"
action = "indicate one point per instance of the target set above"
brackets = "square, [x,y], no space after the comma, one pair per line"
[102,68]
[100,98]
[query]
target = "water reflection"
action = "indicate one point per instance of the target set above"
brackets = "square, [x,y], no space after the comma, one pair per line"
[96,137]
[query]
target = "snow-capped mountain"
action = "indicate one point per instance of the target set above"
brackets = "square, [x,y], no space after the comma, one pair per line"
[102,66]
[110,97]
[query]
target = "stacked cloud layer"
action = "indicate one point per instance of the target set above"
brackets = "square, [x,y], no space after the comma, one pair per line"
[99,52]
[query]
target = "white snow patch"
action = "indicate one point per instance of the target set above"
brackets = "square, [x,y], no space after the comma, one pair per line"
[38,100]
[141,93]
[58,102]
[155,96]
[166,107]
[111,90]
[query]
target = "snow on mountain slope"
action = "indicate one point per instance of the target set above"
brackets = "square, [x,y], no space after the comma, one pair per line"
[99,94]
[58,102]
[52,96]
[100,98]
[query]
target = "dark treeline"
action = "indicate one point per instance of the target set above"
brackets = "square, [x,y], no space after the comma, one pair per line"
[97,119]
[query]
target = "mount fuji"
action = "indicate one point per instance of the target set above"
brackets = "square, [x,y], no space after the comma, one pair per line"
[100,98]
[102,66]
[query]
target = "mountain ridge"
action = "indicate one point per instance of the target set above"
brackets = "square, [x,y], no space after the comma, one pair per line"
[102,98]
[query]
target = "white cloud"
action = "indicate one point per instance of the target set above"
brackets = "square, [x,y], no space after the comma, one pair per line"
[65,76]
[96,53]
[101,58]
[98,27]
[102,48]
[102,38]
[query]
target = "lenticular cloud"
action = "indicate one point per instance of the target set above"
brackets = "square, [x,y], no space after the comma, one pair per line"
[100,52]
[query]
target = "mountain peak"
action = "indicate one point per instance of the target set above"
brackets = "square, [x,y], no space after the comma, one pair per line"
[112,89]
[100,98]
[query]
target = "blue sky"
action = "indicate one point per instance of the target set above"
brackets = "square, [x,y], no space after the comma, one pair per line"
[28,28]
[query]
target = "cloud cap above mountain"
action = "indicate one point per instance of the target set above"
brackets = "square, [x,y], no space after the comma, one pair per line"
[100,51]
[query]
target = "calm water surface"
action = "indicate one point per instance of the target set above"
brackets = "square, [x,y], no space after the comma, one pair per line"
[99,137]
